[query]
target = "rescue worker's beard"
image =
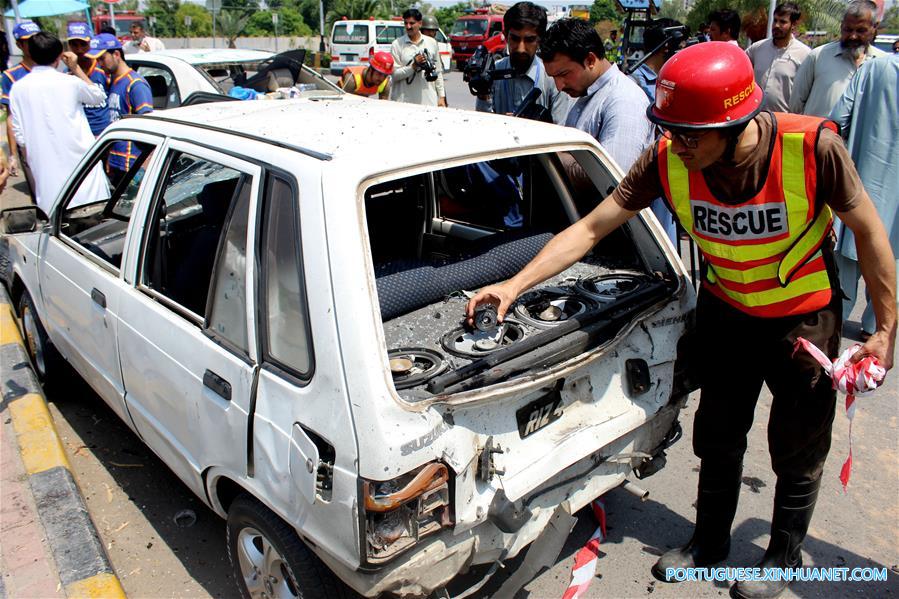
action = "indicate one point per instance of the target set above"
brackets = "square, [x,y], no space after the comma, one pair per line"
[521,61]
[855,49]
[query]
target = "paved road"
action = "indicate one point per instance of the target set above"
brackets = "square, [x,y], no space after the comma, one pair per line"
[134,500]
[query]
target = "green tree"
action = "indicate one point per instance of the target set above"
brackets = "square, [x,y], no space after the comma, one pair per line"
[354,9]
[289,23]
[604,10]
[890,23]
[200,21]
[231,24]
[447,15]
[164,11]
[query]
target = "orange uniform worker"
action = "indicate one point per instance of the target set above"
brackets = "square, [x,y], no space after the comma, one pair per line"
[370,80]
[757,192]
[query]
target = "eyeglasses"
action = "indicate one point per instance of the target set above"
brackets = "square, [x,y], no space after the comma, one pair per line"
[690,140]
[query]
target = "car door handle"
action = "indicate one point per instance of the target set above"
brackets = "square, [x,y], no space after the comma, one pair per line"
[217,384]
[98,297]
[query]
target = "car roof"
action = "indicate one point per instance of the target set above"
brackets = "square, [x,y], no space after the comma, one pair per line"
[200,56]
[374,135]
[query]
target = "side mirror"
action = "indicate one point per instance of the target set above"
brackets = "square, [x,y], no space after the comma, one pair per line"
[24,219]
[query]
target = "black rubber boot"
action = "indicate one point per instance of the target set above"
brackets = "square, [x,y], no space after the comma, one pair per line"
[716,505]
[794,504]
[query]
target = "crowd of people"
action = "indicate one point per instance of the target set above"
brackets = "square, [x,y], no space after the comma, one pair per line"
[708,135]
[67,99]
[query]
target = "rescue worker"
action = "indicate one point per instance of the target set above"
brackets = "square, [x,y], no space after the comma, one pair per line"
[370,80]
[757,192]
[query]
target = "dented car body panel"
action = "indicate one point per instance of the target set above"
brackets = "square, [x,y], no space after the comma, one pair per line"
[290,388]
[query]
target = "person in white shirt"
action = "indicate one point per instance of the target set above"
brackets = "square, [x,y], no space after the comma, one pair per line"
[826,71]
[409,82]
[724,26]
[776,60]
[141,42]
[48,120]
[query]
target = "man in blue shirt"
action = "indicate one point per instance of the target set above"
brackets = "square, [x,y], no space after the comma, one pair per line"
[78,37]
[523,26]
[129,93]
[867,114]
[21,32]
[609,106]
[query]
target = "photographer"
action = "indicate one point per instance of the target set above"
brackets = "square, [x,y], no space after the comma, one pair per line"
[524,25]
[417,75]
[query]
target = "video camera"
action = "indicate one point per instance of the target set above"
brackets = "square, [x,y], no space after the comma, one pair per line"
[428,68]
[480,72]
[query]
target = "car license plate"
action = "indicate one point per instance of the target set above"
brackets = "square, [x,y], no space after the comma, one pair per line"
[348,57]
[540,413]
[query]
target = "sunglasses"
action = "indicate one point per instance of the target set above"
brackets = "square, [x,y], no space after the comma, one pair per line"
[690,140]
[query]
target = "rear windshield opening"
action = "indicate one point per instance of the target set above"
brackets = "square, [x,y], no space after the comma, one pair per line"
[438,236]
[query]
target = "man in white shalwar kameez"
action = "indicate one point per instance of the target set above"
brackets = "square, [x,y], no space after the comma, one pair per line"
[48,119]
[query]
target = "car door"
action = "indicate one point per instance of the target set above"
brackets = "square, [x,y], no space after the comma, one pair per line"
[188,361]
[80,270]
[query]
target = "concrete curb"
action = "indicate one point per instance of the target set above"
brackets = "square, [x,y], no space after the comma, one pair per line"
[81,561]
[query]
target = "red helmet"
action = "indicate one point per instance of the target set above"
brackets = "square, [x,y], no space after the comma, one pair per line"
[382,62]
[706,86]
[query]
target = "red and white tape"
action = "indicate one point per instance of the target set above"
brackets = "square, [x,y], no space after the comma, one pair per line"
[584,569]
[855,380]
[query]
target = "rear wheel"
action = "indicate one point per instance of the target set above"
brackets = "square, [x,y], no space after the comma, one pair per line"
[46,360]
[270,561]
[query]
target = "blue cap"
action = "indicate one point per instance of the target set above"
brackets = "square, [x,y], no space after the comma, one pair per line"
[25,29]
[78,31]
[101,43]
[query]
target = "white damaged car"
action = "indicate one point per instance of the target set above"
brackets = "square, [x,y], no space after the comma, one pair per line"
[273,300]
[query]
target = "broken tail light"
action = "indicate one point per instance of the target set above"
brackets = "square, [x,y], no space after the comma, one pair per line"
[399,512]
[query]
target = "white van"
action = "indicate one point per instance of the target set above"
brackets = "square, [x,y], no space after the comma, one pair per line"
[353,42]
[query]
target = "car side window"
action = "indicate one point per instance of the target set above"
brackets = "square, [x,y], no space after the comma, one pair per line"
[287,339]
[495,27]
[228,313]
[186,227]
[97,209]
[163,86]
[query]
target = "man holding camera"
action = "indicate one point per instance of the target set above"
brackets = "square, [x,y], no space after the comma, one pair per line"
[524,25]
[417,75]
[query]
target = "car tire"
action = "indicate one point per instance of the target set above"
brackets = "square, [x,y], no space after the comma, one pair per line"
[268,557]
[48,363]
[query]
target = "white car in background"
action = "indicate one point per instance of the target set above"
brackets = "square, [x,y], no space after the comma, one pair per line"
[174,75]
[354,42]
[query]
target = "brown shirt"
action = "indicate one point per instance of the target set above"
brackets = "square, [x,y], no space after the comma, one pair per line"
[731,183]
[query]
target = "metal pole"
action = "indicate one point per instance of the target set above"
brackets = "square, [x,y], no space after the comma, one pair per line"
[112,18]
[213,25]
[321,25]
[275,23]
[15,9]
[771,17]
